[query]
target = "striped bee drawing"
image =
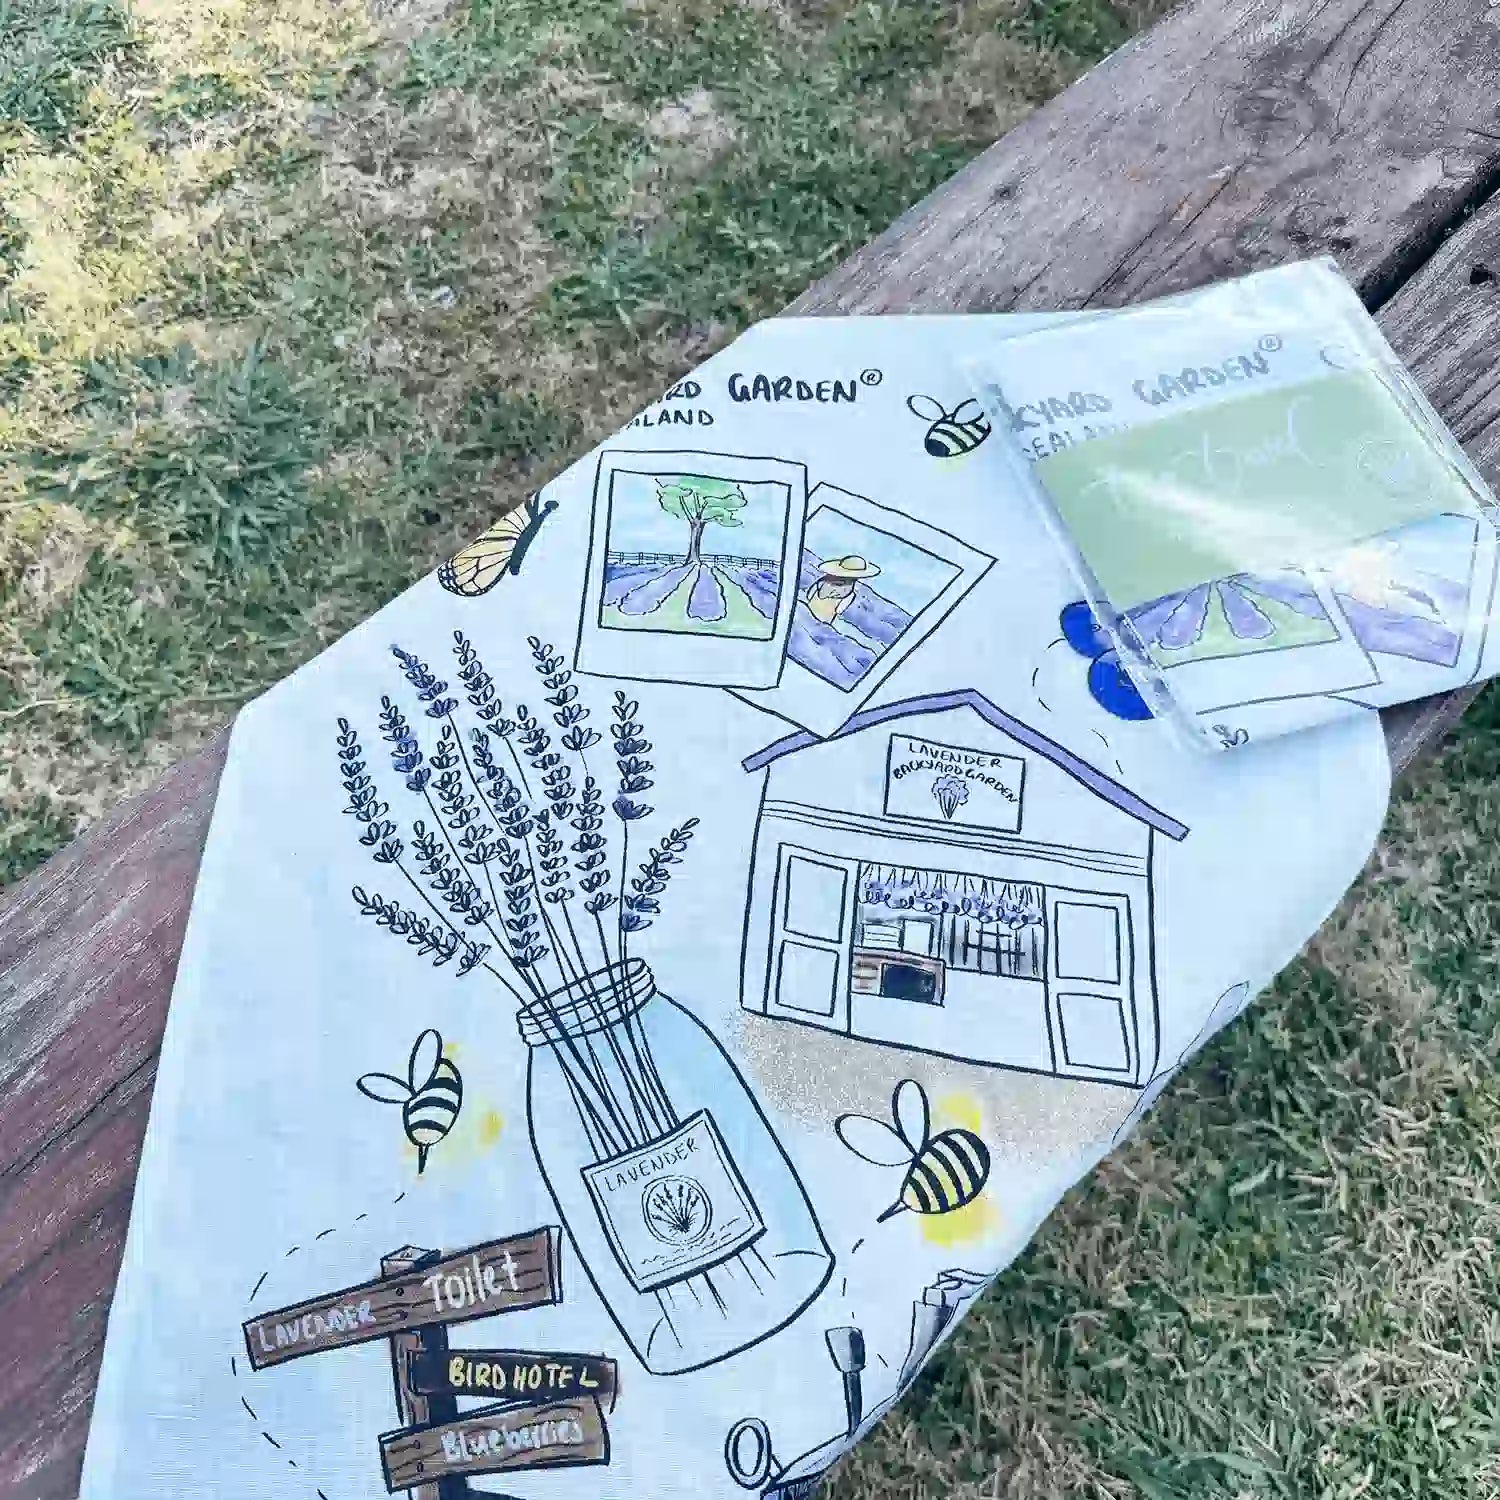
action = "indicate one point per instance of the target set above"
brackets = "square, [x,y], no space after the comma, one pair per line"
[943,1171]
[430,1096]
[951,433]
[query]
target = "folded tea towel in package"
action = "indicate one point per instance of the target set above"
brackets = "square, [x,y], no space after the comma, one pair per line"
[1271,526]
[646,981]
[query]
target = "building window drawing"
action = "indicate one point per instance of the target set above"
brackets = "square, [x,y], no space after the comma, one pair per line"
[913,926]
[940,877]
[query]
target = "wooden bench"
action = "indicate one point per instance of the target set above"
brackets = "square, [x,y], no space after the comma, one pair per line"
[1237,134]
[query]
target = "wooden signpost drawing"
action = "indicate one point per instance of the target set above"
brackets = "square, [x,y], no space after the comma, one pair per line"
[547,1410]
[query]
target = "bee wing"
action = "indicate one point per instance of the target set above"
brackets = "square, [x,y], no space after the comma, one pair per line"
[422,1064]
[929,409]
[383,1088]
[962,412]
[909,1110]
[872,1140]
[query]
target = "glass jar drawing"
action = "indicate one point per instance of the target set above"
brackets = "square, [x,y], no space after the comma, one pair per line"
[685,1211]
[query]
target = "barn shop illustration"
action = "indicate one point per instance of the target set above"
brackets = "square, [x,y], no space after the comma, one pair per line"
[943,878]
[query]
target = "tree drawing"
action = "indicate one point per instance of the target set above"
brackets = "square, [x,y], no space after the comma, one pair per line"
[697,589]
[701,502]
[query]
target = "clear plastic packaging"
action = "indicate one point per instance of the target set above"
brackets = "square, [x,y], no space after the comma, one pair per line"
[1271,526]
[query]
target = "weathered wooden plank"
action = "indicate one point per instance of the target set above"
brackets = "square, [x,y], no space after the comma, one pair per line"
[1234,136]
[88,952]
[1445,323]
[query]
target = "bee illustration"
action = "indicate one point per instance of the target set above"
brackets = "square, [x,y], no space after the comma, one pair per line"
[943,1171]
[487,559]
[952,433]
[430,1096]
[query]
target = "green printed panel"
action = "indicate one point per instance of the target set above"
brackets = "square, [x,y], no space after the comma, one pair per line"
[1284,477]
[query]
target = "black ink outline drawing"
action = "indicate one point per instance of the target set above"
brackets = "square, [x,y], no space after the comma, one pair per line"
[431,1095]
[1120,877]
[950,434]
[806,698]
[497,552]
[669,1292]
[944,1172]
[890,778]
[1262,675]
[696,658]
[701,1128]
[1483,562]
[513,803]
[956,573]
[762,1471]
[934,1317]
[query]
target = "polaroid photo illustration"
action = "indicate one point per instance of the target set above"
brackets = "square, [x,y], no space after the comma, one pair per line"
[1419,600]
[1253,638]
[692,566]
[872,585]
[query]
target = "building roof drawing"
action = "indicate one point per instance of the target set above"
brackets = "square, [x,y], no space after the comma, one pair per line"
[1064,759]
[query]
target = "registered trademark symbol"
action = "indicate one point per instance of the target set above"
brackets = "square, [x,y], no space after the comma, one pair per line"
[870,377]
[1270,343]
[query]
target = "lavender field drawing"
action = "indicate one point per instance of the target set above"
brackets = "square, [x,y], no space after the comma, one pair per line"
[859,590]
[694,554]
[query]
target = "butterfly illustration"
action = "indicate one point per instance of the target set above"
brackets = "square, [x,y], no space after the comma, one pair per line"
[430,1096]
[499,551]
[943,1171]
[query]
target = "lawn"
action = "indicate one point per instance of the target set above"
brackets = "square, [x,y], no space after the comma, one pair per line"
[298,294]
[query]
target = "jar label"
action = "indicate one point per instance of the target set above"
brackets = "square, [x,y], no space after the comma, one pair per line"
[675,1206]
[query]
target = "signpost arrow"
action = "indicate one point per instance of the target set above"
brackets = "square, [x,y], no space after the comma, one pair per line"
[496,1277]
[516,1376]
[495,1440]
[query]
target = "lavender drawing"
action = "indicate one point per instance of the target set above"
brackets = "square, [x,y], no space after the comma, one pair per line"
[950,792]
[524,863]
[507,864]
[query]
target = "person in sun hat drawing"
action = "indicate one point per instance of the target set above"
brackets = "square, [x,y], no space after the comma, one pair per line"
[832,592]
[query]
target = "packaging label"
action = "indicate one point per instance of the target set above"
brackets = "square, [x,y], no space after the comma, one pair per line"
[674,1207]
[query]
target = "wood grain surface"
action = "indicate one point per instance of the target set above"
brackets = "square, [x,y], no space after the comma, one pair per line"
[1235,135]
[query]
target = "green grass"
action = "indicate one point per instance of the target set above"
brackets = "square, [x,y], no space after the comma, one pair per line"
[290,305]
